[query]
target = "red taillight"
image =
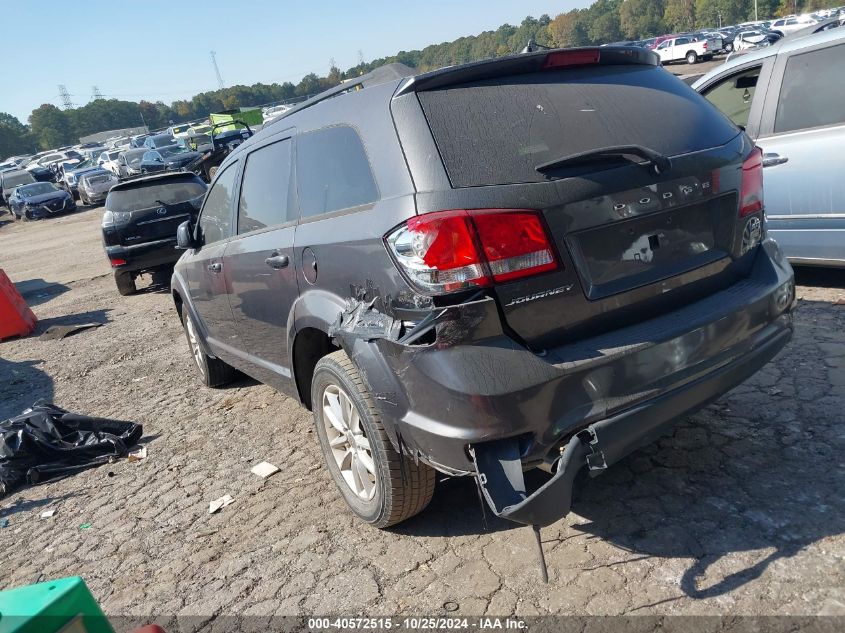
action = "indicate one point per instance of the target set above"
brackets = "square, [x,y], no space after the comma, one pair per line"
[751,190]
[705,46]
[562,59]
[116,261]
[445,245]
[515,243]
[449,251]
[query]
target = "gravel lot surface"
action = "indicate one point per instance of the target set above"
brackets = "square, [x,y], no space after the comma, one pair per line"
[741,511]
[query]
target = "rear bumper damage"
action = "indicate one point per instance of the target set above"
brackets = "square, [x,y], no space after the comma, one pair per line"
[461,395]
[145,256]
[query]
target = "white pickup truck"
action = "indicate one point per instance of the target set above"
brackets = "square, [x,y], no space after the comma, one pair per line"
[683,48]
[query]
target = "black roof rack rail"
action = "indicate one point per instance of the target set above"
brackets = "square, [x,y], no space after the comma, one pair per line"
[377,76]
[522,63]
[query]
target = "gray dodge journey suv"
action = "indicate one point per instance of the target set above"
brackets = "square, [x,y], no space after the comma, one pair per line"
[536,261]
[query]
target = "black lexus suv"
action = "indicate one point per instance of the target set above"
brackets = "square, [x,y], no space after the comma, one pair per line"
[139,224]
[536,261]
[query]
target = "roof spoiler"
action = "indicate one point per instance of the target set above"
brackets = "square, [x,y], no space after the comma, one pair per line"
[529,63]
[377,76]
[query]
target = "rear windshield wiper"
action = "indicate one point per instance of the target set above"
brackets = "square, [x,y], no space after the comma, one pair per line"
[658,162]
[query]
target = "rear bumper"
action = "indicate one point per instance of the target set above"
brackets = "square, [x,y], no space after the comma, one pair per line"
[146,256]
[606,442]
[475,390]
[96,196]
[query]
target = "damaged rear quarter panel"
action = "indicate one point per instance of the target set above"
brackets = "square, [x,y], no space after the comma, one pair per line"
[459,387]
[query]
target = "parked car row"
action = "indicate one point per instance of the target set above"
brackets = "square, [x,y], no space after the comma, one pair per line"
[702,45]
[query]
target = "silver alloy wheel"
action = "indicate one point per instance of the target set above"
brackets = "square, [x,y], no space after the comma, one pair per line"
[348,443]
[196,350]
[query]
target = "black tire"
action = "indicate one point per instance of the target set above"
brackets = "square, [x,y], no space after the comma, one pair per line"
[161,277]
[692,58]
[402,488]
[213,371]
[125,283]
[729,47]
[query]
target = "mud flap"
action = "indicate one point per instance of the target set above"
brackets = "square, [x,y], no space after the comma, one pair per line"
[500,479]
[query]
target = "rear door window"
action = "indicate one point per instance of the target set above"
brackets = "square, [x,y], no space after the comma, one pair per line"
[265,188]
[812,93]
[332,171]
[734,95]
[496,131]
[216,216]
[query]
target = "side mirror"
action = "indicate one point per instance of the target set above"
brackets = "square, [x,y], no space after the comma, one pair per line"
[185,236]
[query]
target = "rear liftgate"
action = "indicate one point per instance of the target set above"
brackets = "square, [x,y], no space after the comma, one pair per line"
[501,482]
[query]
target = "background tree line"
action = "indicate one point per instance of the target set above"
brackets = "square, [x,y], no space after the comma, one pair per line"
[602,22]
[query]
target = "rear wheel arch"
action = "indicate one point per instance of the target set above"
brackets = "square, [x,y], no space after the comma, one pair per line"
[182,307]
[309,346]
[178,302]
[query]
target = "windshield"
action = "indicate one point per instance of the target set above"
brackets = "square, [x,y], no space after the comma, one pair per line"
[36,189]
[178,129]
[151,195]
[134,159]
[91,162]
[171,150]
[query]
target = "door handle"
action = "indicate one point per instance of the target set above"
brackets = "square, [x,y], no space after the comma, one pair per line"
[216,267]
[277,261]
[771,159]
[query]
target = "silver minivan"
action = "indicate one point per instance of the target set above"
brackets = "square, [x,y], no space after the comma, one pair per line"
[790,98]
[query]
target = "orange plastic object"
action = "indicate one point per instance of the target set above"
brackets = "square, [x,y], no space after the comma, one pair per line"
[16,319]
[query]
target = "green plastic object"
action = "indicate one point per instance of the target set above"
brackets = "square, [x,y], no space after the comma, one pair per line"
[250,116]
[59,606]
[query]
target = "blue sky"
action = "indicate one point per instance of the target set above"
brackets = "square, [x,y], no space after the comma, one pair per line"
[134,49]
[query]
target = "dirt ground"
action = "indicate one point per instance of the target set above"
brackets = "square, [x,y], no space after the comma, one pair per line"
[741,511]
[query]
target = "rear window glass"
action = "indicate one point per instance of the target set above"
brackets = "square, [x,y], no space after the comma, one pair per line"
[497,131]
[17,179]
[147,196]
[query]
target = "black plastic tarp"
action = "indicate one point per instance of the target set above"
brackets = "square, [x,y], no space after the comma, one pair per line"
[46,442]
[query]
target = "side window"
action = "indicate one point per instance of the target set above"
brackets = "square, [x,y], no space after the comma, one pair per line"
[735,94]
[332,171]
[681,40]
[812,93]
[265,187]
[216,216]
[665,44]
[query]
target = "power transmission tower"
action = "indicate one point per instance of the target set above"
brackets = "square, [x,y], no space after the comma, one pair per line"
[217,70]
[96,94]
[65,97]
